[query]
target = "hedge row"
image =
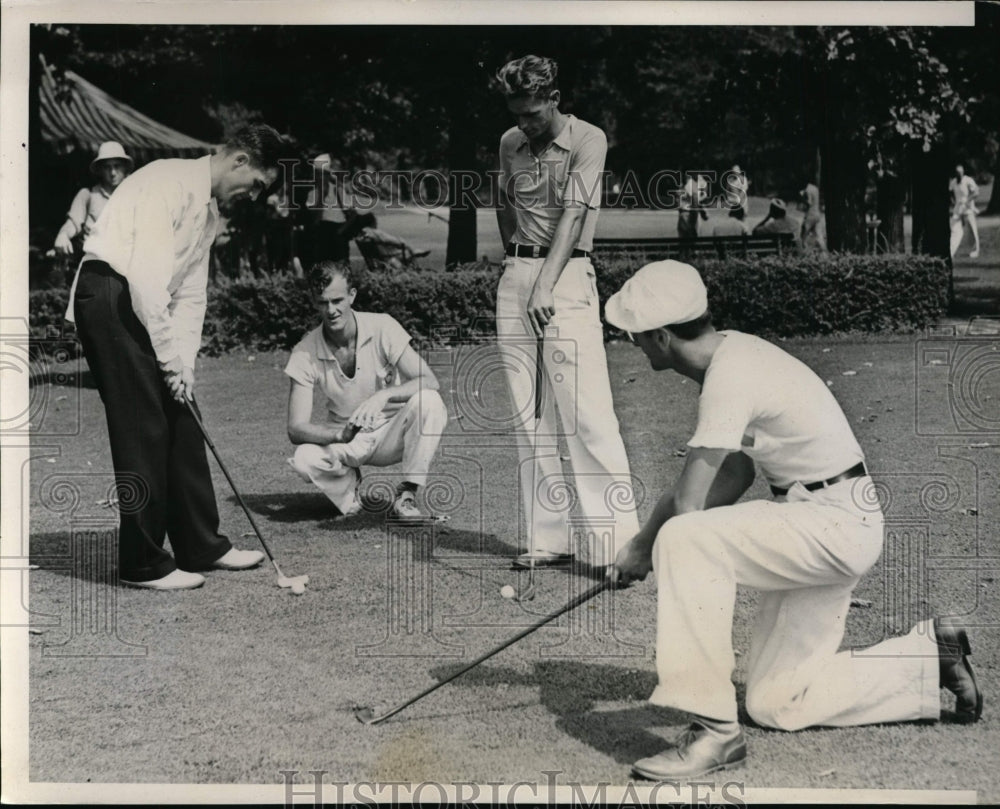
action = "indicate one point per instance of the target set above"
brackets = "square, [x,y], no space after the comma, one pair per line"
[775,296]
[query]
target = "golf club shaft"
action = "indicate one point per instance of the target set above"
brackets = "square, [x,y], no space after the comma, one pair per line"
[232,485]
[539,379]
[571,605]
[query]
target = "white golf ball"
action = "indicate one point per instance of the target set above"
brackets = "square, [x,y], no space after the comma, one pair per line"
[298,588]
[507,591]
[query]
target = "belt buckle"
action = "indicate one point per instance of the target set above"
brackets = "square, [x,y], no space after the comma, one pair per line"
[535,250]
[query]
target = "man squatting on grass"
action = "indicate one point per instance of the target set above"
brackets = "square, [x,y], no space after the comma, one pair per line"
[804,550]
[551,166]
[382,399]
[138,300]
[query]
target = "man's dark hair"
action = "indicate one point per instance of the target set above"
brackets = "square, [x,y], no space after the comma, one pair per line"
[691,329]
[737,212]
[533,76]
[262,143]
[323,273]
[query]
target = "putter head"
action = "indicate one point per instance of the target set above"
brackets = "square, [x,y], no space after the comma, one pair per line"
[365,715]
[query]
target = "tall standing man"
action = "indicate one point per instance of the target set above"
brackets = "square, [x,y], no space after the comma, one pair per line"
[804,551]
[139,302]
[551,166]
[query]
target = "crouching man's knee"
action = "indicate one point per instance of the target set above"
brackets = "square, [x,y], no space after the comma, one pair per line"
[681,538]
[307,459]
[431,411]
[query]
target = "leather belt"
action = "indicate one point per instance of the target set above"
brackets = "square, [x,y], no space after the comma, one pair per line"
[856,471]
[536,251]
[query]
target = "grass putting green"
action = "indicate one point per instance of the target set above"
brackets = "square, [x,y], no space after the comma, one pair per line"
[239,680]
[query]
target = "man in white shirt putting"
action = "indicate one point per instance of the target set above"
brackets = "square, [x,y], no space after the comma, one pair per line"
[138,301]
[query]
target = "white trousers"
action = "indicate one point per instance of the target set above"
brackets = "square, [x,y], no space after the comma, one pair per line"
[411,436]
[576,385]
[805,554]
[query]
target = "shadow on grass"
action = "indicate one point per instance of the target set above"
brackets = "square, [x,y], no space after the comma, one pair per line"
[571,690]
[291,507]
[977,289]
[54,553]
[314,507]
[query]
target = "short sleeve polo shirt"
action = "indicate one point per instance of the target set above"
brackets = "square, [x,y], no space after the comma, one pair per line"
[569,171]
[381,341]
[761,400]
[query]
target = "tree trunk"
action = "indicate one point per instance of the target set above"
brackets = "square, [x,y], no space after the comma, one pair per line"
[844,179]
[461,199]
[993,207]
[931,203]
[891,195]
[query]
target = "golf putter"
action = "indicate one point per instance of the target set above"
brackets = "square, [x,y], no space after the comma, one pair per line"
[528,594]
[368,715]
[297,583]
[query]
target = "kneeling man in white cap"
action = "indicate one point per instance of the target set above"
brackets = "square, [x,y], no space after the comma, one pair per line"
[804,550]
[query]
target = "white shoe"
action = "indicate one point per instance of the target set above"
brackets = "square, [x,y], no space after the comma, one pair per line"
[974,254]
[174,580]
[352,510]
[234,559]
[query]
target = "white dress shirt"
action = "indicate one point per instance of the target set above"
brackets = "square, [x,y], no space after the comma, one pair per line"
[157,231]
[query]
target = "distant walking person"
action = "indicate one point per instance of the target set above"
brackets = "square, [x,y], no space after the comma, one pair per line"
[139,302]
[551,166]
[812,236]
[737,189]
[111,166]
[692,196]
[963,190]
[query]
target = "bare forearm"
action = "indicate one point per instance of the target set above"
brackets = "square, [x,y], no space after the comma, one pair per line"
[312,433]
[564,241]
[406,391]
[506,222]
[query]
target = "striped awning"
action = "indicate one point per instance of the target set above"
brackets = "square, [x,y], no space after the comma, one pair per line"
[76,115]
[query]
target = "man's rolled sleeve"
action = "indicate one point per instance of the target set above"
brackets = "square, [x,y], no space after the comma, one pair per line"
[586,170]
[299,368]
[394,339]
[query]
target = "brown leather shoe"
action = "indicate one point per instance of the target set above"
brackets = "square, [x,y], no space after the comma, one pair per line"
[956,672]
[698,751]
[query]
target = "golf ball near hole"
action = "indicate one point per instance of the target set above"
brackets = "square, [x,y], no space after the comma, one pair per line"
[298,588]
[507,591]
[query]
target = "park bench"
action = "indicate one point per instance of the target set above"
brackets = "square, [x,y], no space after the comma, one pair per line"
[663,247]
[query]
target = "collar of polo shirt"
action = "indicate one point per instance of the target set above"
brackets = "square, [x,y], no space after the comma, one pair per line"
[363,336]
[562,140]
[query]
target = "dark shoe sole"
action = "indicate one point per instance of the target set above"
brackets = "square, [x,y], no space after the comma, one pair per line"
[962,638]
[965,717]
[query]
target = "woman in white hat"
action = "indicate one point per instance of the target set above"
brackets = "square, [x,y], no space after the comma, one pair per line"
[111,166]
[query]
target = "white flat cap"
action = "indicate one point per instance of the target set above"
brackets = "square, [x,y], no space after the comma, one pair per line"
[659,294]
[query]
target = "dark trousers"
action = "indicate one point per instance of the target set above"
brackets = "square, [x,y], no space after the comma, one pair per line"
[161,469]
